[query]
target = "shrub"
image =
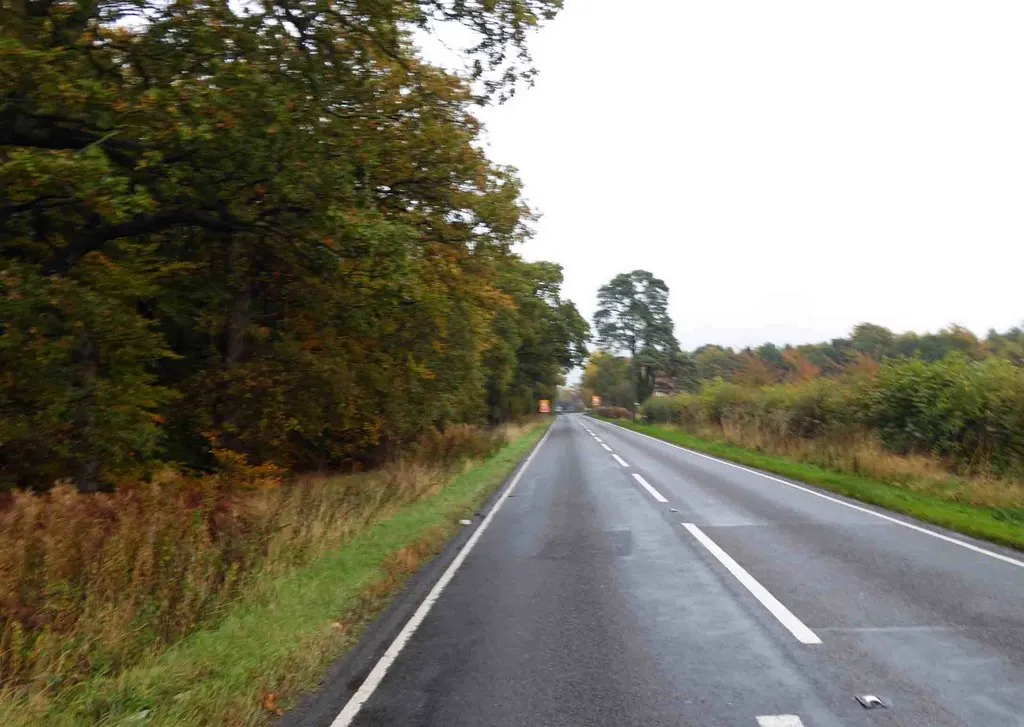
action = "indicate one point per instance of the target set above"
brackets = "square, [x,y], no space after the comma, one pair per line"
[818,408]
[457,442]
[971,413]
[684,410]
[614,412]
[98,579]
[90,582]
[723,401]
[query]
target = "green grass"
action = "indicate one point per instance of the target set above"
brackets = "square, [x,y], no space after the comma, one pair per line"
[276,644]
[993,524]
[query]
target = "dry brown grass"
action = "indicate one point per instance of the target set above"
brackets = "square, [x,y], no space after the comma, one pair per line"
[514,430]
[614,412]
[92,583]
[863,454]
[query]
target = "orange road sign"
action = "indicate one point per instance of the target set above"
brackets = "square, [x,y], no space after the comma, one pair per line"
[545,406]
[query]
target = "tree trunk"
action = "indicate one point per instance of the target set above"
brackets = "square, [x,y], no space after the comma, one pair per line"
[237,320]
[87,464]
[239,317]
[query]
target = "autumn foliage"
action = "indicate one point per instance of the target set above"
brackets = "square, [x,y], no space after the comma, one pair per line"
[241,242]
[268,230]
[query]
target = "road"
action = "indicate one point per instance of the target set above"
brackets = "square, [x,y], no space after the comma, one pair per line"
[624,581]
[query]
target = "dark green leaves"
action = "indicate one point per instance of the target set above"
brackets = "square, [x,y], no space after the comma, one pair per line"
[632,316]
[272,231]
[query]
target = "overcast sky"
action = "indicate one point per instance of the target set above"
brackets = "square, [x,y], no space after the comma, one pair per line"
[788,168]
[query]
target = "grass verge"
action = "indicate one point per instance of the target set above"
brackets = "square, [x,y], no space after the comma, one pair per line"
[999,525]
[276,642]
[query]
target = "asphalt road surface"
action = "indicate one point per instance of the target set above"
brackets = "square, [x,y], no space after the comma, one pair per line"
[624,581]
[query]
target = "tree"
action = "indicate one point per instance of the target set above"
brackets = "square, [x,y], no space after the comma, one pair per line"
[681,372]
[632,316]
[770,354]
[753,371]
[801,370]
[272,230]
[715,362]
[608,376]
[1009,345]
[538,338]
[861,354]
[876,341]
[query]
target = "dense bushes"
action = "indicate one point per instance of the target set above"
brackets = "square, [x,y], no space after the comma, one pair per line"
[971,413]
[810,410]
[457,442]
[968,413]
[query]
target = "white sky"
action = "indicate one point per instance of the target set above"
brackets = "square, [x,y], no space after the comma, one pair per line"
[788,168]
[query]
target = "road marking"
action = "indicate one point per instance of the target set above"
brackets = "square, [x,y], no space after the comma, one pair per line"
[619,459]
[376,675]
[598,439]
[646,485]
[779,720]
[796,627]
[809,491]
[606,447]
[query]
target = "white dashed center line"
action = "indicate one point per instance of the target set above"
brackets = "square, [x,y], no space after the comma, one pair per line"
[796,627]
[646,485]
[606,447]
[620,460]
[889,518]
[779,720]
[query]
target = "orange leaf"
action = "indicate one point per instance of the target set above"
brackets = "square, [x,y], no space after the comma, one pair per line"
[270,703]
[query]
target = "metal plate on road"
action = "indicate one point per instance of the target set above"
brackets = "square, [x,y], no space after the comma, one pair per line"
[870,701]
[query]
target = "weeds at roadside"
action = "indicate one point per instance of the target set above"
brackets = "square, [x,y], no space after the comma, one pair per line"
[91,584]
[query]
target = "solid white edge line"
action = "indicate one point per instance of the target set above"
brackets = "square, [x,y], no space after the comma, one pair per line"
[795,626]
[376,675]
[619,459]
[779,720]
[606,447]
[647,486]
[809,491]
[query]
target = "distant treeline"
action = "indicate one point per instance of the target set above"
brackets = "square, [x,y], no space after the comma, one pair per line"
[948,395]
[769,363]
[867,346]
[270,232]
